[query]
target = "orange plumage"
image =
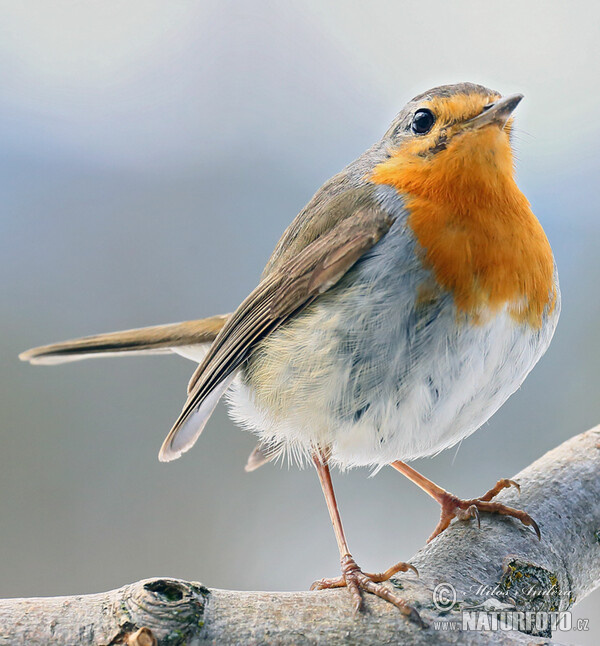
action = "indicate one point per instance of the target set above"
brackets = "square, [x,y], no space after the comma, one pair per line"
[476,228]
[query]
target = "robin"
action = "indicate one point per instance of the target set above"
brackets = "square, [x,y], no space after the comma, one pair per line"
[400,309]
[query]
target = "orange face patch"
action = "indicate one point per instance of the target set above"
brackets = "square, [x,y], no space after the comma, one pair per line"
[476,228]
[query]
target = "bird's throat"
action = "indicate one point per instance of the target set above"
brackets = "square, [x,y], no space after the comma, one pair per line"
[475,228]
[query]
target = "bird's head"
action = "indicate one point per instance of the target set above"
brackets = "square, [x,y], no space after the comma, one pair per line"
[451,139]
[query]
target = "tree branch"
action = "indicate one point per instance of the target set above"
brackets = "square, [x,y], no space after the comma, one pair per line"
[500,566]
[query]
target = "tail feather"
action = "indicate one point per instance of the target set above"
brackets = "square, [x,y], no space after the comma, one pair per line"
[182,338]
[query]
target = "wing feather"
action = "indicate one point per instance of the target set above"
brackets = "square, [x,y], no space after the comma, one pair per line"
[291,287]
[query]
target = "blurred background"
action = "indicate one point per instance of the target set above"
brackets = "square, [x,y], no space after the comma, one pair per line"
[152,153]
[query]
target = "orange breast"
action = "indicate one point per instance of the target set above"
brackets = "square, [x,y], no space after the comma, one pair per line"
[476,229]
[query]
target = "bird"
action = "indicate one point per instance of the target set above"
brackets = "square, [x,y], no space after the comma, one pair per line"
[399,310]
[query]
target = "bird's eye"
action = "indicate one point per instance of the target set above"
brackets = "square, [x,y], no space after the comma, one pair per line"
[422,122]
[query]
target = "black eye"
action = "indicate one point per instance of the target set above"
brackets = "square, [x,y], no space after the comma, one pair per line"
[422,122]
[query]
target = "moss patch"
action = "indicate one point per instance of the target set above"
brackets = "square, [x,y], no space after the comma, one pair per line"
[532,588]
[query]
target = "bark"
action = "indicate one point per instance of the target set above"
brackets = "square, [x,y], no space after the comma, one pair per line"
[500,566]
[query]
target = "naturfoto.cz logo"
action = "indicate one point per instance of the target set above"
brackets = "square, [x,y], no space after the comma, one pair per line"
[489,619]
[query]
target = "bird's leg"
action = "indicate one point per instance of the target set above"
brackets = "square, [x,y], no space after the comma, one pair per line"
[352,576]
[454,507]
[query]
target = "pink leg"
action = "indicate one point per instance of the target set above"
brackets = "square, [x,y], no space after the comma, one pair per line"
[352,576]
[453,507]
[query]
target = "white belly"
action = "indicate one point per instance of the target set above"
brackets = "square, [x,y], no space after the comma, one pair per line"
[446,399]
[368,373]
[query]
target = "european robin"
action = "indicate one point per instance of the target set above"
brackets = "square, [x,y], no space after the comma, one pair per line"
[400,309]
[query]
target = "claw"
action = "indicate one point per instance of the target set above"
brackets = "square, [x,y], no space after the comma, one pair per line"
[516,485]
[413,568]
[356,580]
[416,618]
[536,528]
[466,514]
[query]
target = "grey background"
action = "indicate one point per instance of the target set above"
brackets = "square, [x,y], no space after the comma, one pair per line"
[151,155]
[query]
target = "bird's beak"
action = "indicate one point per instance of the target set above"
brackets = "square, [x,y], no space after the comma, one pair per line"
[497,113]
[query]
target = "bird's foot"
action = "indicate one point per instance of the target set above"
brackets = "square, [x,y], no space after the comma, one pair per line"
[453,507]
[356,580]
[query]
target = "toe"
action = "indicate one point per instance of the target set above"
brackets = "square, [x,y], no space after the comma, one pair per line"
[504,483]
[384,592]
[503,510]
[354,590]
[324,584]
[389,573]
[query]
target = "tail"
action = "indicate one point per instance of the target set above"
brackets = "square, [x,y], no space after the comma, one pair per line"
[190,339]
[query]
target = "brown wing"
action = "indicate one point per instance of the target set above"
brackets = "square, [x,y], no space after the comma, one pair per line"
[283,292]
